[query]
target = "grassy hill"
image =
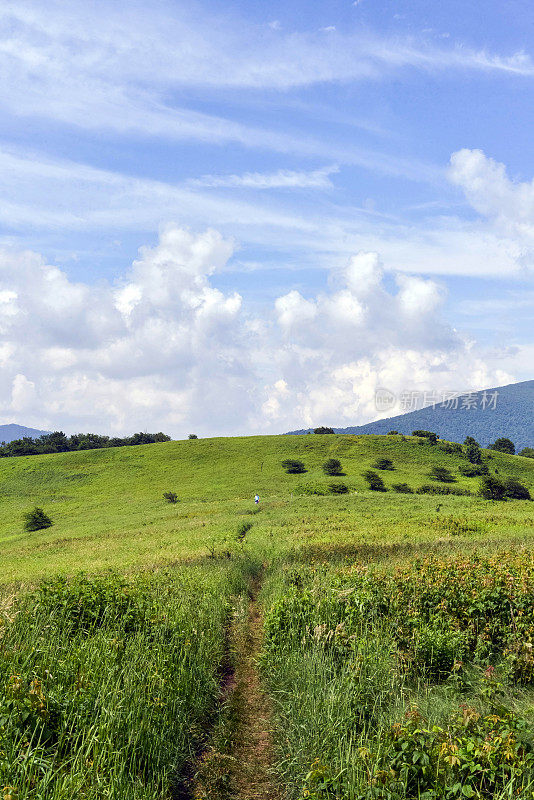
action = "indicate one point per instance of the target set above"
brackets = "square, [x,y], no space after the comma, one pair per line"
[108,510]
[387,625]
[512,417]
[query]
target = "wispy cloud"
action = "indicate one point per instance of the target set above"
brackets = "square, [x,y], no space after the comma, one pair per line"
[282,179]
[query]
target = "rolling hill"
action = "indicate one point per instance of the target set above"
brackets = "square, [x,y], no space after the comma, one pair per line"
[512,417]
[8,433]
[108,508]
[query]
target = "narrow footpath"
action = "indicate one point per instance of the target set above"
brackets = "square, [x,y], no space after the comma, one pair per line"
[238,764]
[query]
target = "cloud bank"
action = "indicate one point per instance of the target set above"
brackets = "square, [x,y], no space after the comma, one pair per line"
[162,348]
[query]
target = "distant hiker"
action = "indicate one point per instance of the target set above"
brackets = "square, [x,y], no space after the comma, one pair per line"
[256,498]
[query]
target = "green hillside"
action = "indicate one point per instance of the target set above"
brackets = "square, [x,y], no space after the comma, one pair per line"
[108,510]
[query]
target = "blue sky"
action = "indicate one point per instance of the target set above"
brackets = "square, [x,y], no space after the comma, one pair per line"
[302,134]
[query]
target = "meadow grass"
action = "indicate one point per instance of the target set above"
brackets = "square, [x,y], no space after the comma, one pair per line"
[108,508]
[111,683]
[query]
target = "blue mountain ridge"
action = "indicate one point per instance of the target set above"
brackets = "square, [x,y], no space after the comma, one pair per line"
[511,417]
[8,433]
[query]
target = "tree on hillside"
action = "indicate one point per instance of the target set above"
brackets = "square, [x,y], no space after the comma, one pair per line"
[492,488]
[36,520]
[383,463]
[503,445]
[293,466]
[323,430]
[442,474]
[192,436]
[332,467]
[473,451]
[374,481]
[432,437]
[527,452]
[515,490]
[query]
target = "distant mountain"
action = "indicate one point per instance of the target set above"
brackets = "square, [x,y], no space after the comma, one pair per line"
[10,432]
[476,414]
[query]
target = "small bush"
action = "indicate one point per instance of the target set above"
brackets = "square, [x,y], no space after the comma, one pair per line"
[450,447]
[323,430]
[473,470]
[441,474]
[374,481]
[242,530]
[192,436]
[383,463]
[338,488]
[402,488]
[428,488]
[36,520]
[515,490]
[492,488]
[432,437]
[393,433]
[170,497]
[293,466]
[332,467]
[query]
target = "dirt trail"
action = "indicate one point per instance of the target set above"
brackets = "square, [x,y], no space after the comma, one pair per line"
[237,766]
[251,776]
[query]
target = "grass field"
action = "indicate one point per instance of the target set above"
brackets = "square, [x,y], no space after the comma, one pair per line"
[397,660]
[108,509]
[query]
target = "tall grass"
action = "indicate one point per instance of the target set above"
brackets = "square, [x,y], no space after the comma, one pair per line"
[371,697]
[107,685]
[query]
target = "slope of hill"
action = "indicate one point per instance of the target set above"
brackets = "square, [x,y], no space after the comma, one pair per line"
[108,508]
[475,416]
[8,433]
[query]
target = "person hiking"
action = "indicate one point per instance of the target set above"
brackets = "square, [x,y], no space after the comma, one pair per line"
[256,498]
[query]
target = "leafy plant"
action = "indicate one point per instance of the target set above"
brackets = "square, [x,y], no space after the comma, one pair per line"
[332,467]
[492,488]
[503,445]
[293,466]
[383,463]
[402,488]
[516,490]
[36,520]
[338,488]
[170,497]
[441,474]
[374,481]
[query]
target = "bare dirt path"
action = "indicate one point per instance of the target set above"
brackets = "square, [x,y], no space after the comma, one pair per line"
[251,770]
[237,766]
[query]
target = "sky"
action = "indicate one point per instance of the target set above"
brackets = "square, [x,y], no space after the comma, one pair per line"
[247,217]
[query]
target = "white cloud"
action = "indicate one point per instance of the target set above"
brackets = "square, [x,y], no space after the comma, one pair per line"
[164,349]
[282,179]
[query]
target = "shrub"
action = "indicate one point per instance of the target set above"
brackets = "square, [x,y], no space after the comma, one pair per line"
[383,463]
[36,520]
[432,437]
[338,488]
[242,531]
[436,649]
[374,481]
[527,452]
[192,436]
[393,433]
[332,467]
[503,445]
[319,489]
[428,488]
[323,430]
[473,470]
[492,488]
[170,497]
[402,488]
[441,474]
[515,490]
[293,466]
[450,447]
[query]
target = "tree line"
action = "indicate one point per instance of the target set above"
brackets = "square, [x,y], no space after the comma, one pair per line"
[58,442]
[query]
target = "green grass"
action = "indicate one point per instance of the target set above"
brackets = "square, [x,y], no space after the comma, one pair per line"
[111,692]
[108,509]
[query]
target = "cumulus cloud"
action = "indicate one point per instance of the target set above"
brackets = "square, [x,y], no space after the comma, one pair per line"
[508,205]
[164,349]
